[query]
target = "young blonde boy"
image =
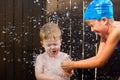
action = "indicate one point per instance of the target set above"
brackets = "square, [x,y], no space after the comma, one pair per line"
[48,64]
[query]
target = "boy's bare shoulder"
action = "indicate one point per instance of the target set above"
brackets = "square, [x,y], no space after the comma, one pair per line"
[40,55]
[63,54]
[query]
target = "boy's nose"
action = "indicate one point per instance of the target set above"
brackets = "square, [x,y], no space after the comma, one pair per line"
[52,47]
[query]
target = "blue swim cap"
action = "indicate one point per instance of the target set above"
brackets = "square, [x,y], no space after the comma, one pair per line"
[98,9]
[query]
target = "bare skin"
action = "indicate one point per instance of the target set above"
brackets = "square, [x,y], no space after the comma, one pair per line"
[110,36]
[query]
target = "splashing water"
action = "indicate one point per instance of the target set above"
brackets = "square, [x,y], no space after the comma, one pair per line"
[48,1]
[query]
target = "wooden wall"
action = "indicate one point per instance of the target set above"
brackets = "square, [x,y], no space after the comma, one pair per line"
[20,21]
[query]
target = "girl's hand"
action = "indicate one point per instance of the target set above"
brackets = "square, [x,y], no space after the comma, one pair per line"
[66,66]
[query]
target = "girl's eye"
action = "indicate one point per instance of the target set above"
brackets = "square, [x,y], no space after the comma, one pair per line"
[91,25]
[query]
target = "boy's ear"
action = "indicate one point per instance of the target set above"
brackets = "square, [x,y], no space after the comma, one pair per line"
[104,20]
[41,43]
[61,40]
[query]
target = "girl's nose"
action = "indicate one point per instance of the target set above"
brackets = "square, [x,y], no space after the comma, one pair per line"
[92,29]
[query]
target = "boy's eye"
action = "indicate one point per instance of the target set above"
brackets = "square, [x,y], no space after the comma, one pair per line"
[48,45]
[51,45]
[55,44]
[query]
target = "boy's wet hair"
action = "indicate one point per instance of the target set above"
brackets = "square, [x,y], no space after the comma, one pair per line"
[50,30]
[98,9]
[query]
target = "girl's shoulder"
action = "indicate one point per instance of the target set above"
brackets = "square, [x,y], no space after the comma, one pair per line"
[116,24]
[116,29]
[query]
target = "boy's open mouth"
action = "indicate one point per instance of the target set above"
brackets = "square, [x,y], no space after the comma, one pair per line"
[53,52]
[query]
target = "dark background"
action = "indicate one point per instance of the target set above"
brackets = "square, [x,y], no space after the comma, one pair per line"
[20,21]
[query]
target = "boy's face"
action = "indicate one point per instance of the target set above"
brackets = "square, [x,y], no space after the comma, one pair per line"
[52,46]
[97,26]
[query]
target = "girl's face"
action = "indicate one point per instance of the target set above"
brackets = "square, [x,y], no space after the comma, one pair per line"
[52,46]
[98,26]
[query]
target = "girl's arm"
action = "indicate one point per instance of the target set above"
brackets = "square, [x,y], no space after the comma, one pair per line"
[105,51]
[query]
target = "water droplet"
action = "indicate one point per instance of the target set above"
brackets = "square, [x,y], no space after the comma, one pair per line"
[1,43]
[75,6]
[67,14]
[4,59]
[19,60]
[3,32]
[26,33]
[48,1]
[37,0]
[34,26]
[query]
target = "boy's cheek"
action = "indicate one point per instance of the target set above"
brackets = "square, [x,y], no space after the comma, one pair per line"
[43,45]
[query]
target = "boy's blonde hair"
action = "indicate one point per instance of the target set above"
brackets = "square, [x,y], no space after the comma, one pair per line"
[50,30]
